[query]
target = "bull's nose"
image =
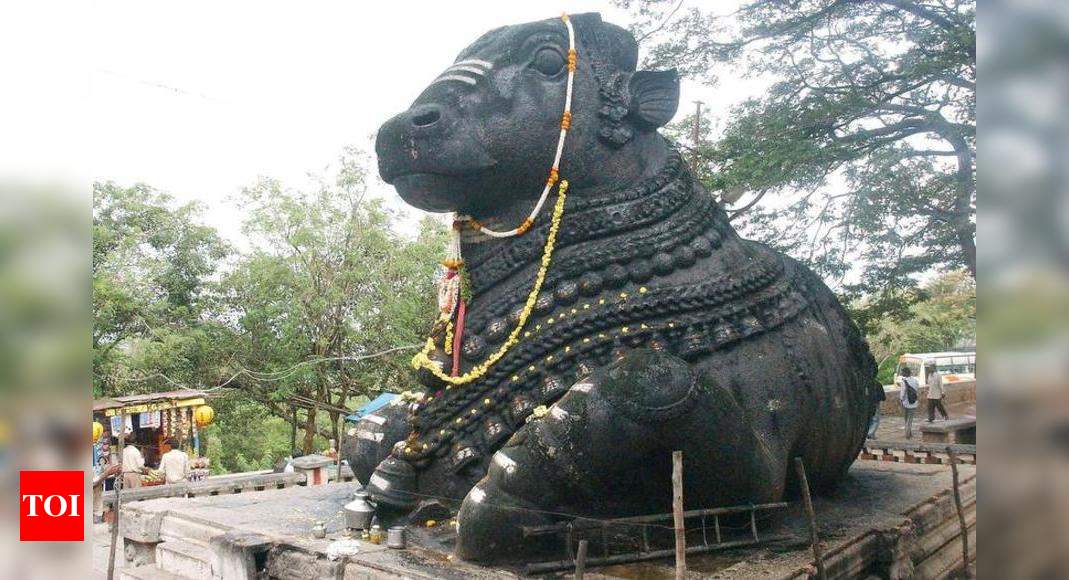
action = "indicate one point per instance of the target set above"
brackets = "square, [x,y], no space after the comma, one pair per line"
[425,116]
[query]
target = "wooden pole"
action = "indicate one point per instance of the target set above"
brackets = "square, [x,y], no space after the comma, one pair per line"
[814,538]
[580,560]
[118,501]
[677,514]
[961,513]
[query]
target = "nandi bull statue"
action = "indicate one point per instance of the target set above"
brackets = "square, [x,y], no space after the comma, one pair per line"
[598,310]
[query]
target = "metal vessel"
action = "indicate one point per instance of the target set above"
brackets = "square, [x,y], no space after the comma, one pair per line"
[358,513]
[395,537]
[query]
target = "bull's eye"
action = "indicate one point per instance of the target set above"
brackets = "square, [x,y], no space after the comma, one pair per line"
[548,61]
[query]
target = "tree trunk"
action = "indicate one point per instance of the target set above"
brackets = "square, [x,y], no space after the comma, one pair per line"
[309,430]
[963,226]
[334,415]
[965,183]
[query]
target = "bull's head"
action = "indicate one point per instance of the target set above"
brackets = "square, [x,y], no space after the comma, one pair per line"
[481,138]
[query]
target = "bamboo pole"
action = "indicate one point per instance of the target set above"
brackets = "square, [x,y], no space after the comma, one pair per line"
[961,513]
[118,501]
[677,514]
[580,560]
[814,538]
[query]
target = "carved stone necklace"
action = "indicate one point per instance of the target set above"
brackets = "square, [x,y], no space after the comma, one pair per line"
[594,303]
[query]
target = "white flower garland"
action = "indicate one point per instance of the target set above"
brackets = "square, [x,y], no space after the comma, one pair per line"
[566,119]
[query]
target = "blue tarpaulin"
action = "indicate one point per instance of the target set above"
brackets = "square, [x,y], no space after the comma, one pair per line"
[372,406]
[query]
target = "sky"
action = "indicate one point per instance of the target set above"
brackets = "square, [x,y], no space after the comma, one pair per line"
[200,98]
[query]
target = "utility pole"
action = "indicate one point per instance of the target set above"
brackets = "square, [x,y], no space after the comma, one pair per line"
[696,139]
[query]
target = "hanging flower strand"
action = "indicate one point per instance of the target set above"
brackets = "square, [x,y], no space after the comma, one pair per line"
[554,171]
[454,290]
[422,359]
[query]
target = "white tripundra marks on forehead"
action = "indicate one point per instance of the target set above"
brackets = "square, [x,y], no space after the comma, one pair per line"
[466,71]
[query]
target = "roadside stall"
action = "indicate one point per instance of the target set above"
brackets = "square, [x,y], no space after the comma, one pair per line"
[148,421]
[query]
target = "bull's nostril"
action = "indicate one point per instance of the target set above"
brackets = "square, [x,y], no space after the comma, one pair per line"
[426,118]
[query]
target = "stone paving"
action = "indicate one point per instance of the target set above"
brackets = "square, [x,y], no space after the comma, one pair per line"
[292,516]
[893,427]
[101,539]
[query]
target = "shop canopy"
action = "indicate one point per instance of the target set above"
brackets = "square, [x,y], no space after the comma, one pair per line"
[378,403]
[149,402]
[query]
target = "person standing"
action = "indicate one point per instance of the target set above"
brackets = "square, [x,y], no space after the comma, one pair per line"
[101,472]
[133,463]
[878,396]
[174,463]
[909,399]
[935,393]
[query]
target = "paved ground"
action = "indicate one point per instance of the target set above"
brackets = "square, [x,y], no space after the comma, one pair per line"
[893,427]
[874,495]
[294,516]
[101,544]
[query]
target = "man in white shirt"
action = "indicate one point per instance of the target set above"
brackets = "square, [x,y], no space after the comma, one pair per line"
[133,463]
[174,463]
[935,393]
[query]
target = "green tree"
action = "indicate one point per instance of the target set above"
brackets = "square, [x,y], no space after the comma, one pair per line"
[325,309]
[328,281]
[866,137]
[940,316]
[151,261]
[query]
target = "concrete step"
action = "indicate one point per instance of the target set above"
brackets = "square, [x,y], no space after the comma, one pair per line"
[177,527]
[148,572]
[185,557]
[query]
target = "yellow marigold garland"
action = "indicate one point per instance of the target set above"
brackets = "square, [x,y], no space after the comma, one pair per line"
[447,345]
[423,360]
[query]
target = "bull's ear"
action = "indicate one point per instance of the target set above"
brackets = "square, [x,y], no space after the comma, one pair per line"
[654,96]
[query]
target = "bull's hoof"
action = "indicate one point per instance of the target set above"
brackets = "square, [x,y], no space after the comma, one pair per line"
[490,526]
[368,442]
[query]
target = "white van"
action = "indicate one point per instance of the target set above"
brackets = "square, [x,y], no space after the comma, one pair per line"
[955,367]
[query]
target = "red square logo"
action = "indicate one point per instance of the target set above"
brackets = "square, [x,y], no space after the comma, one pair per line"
[51,506]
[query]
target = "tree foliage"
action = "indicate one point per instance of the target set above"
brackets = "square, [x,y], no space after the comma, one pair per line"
[866,138]
[328,280]
[940,316]
[150,265]
[279,330]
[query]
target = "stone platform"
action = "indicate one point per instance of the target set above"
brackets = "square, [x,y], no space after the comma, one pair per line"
[884,514]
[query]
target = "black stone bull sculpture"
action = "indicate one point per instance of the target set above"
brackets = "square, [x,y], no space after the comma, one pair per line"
[657,327]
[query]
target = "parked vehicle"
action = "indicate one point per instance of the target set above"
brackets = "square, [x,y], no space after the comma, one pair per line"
[955,366]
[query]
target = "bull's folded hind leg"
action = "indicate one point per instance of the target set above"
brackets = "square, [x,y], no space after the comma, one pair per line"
[604,450]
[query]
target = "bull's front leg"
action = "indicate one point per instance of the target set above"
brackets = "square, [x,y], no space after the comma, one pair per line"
[604,450]
[372,438]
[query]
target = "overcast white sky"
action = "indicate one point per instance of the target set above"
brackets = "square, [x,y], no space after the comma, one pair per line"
[199,98]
